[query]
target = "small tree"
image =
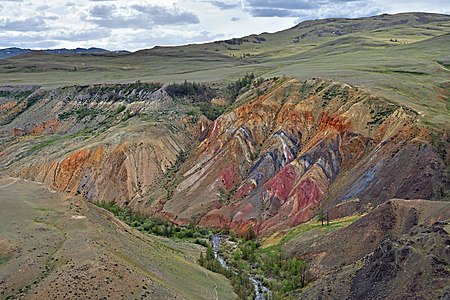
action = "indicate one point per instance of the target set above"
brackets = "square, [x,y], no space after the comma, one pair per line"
[201,261]
[321,214]
[250,234]
[302,272]
[209,253]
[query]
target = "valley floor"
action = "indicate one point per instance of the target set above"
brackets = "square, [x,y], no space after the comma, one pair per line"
[54,246]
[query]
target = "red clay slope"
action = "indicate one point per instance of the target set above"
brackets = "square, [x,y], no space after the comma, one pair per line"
[272,160]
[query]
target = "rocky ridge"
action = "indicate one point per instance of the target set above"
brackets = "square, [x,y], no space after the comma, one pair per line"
[283,151]
[105,142]
[289,147]
[400,250]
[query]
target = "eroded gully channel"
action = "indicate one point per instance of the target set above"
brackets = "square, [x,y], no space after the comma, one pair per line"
[261,292]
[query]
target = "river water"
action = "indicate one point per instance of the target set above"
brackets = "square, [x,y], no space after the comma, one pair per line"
[260,290]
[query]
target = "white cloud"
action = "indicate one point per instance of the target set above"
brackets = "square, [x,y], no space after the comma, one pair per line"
[138,16]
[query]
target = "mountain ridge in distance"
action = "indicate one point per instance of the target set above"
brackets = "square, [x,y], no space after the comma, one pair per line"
[15,51]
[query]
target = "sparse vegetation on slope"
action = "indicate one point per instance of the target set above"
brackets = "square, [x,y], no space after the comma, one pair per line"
[72,249]
[356,51]
[210,144]
[157,226]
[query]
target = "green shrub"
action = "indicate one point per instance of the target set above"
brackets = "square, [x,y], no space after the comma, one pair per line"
[156,226]
[120,108]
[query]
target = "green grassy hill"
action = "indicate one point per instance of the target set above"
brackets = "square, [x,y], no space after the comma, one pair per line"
[402,57]
[54,246]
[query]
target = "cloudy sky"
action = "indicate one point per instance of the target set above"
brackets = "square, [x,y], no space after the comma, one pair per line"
[137,24]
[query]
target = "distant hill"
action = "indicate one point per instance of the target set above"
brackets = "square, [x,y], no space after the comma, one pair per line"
[11,52]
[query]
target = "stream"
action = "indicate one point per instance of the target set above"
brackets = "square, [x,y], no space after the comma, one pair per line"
[260,289]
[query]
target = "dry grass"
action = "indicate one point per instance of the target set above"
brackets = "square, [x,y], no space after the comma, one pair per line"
[54,255]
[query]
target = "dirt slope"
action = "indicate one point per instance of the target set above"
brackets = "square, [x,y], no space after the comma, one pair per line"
[105,142]
[54,246]
[398,251]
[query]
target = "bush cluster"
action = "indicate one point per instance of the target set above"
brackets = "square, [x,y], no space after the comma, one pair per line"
[191,92]
[157,226]
[240,281]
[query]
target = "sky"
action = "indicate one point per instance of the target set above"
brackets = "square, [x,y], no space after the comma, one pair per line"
[139,24]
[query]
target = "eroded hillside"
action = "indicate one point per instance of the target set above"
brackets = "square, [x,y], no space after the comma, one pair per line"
[289,147]
[283,151]
[397,251]
[107,143]
[344,182]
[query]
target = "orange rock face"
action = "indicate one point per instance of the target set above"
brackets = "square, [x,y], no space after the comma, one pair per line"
[336,123]
[268,164]
[46,127]
[281,155]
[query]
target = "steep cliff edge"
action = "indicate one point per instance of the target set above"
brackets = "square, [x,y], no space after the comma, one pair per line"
[283,151]
[105,142]
[289,147]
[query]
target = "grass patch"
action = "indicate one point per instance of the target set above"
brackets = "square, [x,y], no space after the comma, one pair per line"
[274,242]
[445,64]
[79,113]
[16,95]
[3,260]
[48,142]
[332,226]
[56,138]
[120,108]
